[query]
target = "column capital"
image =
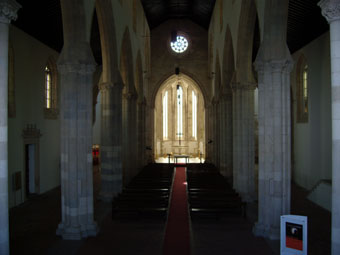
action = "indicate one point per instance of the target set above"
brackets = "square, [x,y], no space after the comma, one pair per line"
[330,9]
[214,101]
[106,86]
[83,68]
[8,10]
[284,65]
[130,95]
[141,101]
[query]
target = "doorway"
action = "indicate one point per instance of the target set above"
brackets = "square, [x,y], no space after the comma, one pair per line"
[30,169]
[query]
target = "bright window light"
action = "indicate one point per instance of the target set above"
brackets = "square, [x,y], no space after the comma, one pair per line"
[180,45]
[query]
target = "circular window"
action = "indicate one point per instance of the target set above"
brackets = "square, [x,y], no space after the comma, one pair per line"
[180,45]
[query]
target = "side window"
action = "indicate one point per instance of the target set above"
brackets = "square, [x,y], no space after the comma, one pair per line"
[51,90]
[302,90]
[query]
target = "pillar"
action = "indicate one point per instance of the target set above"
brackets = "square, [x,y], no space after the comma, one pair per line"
[141,132]
[274,145]
[76,66]
[111,140]
[215,132]
[8,12]
[208,126]
[129,134]
[243,140]
[331,11]
[226,136]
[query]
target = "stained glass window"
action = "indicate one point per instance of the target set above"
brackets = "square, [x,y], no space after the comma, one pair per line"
[180,45]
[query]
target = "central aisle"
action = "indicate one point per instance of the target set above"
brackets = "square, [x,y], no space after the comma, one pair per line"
[177,234]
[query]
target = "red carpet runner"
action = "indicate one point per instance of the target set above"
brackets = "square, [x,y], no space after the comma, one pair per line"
[177,234]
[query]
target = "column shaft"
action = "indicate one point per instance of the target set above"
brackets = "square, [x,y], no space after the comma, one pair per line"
[76,151]
[111,143]
[335,67]
[274,146]
[243,141]
[226,137]
[8,10]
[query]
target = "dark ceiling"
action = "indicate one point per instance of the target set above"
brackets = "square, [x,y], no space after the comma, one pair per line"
[158,11]
[42,19]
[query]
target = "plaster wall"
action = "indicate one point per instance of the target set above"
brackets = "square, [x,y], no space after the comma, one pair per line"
[312,140]
[30,59]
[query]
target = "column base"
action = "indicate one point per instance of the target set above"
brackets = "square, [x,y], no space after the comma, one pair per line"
[266,232]
[248,198]
[78,232]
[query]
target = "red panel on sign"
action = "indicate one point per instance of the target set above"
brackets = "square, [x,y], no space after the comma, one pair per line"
[294,243]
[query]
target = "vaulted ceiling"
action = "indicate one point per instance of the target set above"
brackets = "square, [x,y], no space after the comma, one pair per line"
[42,19]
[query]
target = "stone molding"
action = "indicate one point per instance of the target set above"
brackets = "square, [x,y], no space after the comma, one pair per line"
[226,96]
[31,131]
[8,10]
[243,86]
[274,66]
[84,69]
[330,9]
[106,86]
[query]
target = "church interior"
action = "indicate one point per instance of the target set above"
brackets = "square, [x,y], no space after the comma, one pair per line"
[169,127]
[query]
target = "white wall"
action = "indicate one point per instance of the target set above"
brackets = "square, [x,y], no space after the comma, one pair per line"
[312,140]
[30,59]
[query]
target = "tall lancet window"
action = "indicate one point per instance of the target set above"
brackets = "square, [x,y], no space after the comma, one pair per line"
[165,115]
[302,83]
[305,88]
[194,114]
[179,111]
[48,88]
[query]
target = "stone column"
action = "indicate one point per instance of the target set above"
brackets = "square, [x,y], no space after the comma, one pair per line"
[331,11]
[140,132]
[111,140]
[274,145]
[76,142]
[129,134]
[215,131]
[243,140]
[8,12]
[208,126]
[226,136]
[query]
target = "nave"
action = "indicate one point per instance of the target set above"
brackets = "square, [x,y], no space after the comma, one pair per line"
[33,224]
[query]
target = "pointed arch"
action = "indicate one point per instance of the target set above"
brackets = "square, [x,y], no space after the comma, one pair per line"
[108,41]
[217,81]
[126,63]
[228,67]
[247,23]
[139,76]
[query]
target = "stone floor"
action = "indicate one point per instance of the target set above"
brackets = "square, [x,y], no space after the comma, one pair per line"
[33,225]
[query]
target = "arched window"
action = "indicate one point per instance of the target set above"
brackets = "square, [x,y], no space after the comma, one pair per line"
[165,115]
[179,111]
[194,115]
[50,93]
[48,88]
[302,90]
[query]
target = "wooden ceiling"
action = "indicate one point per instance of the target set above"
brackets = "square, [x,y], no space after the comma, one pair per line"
[42,19]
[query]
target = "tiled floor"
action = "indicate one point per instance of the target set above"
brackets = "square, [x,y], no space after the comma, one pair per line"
[33,225]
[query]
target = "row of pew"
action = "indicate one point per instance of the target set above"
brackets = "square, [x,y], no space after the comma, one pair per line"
[209,193]
[146,195]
